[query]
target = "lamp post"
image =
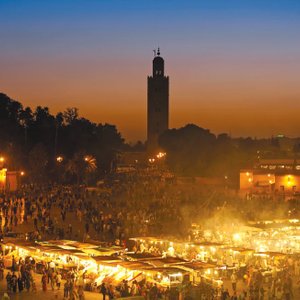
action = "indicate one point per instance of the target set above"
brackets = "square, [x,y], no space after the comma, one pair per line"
[59,160]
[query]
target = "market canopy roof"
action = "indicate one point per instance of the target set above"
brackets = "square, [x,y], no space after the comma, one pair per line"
[74,244]
[270,253]
[142,256]
[166,261]
[106,258]
[206,244]
[197,265]
[168,270]
[239,249]
[135,265]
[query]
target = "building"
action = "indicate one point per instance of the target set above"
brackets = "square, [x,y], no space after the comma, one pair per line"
[157,104]
[9,180]
[272,175]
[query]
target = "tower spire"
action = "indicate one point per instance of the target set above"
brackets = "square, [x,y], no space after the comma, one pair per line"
[157,104]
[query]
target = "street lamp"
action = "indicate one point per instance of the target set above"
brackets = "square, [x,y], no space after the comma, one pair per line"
[59,159]
[22,173]
[161,154]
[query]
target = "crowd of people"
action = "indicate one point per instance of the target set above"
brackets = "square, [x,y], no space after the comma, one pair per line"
[48,211]
[137,205]
[111,213]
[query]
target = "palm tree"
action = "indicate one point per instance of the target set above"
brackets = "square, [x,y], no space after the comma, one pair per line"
[91,163]
[81,165]
[91,166]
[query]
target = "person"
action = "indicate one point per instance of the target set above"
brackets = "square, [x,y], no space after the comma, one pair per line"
[14,282]
[80,293]
[5,297]
[134,289]
[262,293]
[234,296]
[167,293]
[66,289]
[73,295]
[233,279]
[8,281]
[243,295]
[1,270]
[153,293]
[27,278]
[58,280]
[20,284]
[33,286]
[225,295]
[110,292]
[44,282]
[13,264]
[52,279]
[103,290]
[71,286]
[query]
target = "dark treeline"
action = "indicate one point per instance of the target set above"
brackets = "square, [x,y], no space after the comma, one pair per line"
[195,151]
[32,140]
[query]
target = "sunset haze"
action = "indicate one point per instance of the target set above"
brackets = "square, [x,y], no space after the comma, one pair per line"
[234,66]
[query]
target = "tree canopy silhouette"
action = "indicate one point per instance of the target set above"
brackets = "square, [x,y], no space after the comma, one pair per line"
[27,135]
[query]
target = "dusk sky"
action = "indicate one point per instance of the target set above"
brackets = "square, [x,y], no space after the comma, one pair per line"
[234,66]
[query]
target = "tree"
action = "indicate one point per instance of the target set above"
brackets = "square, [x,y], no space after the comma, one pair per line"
[10,127]
[81,165]
[38,160]
[70,115]
[26,120]
[188,149]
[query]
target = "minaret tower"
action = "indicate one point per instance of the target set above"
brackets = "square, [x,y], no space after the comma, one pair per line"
[158,104]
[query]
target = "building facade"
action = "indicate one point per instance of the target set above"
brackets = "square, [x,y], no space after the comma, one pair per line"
[157,104]
[272,176]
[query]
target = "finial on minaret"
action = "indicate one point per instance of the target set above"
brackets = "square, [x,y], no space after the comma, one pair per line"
[158,51]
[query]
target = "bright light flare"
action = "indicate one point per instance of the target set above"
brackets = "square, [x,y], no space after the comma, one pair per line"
[59,159]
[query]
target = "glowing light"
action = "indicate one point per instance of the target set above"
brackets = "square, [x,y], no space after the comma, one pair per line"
[236,237]
[59,159]
[208,272]
[161,154]
[175,275]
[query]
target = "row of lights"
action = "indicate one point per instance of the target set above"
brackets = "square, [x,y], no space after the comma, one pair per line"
[60,159]
[288,179]
[2,160]
[158,156]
